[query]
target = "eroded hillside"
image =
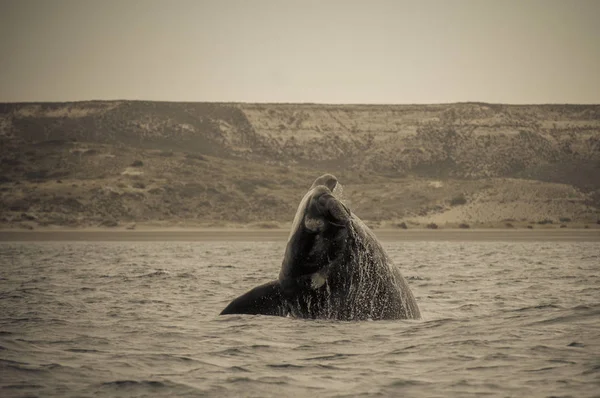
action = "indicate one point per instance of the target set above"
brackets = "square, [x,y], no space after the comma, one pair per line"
[458,140]
[125,162]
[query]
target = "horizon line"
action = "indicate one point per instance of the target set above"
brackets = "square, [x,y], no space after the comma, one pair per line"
[301,103]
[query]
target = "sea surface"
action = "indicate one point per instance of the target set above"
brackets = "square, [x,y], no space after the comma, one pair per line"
[132,319]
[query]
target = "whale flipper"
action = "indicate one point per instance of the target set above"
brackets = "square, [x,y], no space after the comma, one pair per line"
[265,299]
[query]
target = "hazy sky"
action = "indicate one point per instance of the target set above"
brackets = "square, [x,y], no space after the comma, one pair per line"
[331,51]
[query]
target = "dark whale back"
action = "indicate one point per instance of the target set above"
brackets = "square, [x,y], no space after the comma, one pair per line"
[363,284]
[383,292]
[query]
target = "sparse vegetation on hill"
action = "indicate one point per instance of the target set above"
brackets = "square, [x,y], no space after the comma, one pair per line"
[118,163]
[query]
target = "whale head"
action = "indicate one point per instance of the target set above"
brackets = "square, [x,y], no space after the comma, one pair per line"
[318,237]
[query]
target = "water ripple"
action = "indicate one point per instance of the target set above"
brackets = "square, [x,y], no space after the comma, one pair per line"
[108,319]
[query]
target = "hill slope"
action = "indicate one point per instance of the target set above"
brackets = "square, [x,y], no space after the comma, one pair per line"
[75,163]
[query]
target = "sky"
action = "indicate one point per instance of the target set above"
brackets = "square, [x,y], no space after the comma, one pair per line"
[319,51]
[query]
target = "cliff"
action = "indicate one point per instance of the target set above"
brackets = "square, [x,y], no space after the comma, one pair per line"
[123,162]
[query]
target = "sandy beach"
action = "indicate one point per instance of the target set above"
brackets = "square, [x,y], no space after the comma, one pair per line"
[211,234]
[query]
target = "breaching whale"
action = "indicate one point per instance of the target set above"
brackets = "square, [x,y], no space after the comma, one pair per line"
[333,268]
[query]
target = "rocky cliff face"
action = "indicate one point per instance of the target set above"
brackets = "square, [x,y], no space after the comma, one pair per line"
[198,127]
[217,161]
[458,140]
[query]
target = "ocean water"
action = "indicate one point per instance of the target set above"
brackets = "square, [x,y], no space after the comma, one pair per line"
[106,319]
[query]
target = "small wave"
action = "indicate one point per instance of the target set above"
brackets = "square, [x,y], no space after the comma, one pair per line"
[9,362]
[259,346]
[328,367]
[583,307]
[230,352]
[235,380]
[328,357]
[22,386]
[82,350]
[416,278]
[158,272]
[54,366]
[146,301]
[134,383]
[540,347]
[545,368]
[238,369]
[489,254]
[437,323]
[29,368]
[486,367]
[468,342]
[187,275]
[573,314]
[406,383]
[592,370]
[284,366]
[402,350]
[275,380]
[342,341]
[186,359]
[26,320]
[562,361]
[536,307]
[11,295]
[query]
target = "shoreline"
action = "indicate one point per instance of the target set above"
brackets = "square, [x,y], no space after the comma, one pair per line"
[235,234]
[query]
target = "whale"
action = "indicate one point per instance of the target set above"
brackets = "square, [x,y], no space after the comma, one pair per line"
[333,268]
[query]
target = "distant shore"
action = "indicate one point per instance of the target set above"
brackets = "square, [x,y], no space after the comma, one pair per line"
[237,234]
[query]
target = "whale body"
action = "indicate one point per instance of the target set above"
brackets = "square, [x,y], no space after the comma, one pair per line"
[333,268]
